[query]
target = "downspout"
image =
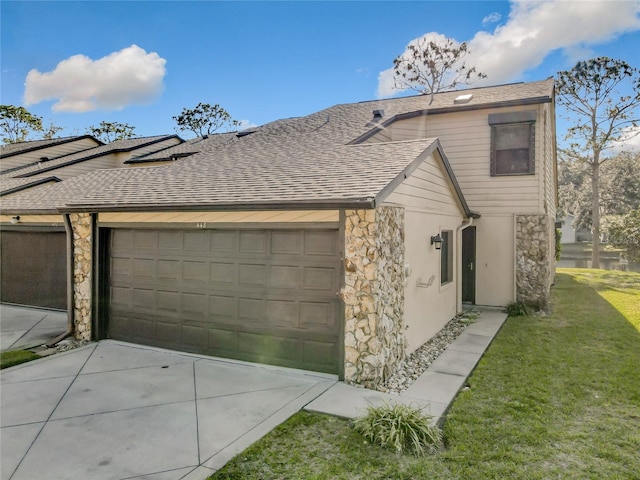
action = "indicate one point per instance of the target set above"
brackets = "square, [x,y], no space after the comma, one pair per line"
[465,224]
[70,323]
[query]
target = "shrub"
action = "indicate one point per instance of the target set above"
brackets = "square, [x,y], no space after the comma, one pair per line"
[402,428]
[518,309]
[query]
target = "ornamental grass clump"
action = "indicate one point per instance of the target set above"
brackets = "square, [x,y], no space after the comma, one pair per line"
[402,428]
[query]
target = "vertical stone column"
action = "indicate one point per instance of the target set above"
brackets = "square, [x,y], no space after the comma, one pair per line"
[82,225]
[533,260]
[373,294]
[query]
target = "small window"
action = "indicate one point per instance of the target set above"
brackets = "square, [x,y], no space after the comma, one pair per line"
[446,257]
[512,143]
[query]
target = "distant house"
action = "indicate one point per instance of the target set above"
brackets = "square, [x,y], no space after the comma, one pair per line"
[572,235]
[336,242]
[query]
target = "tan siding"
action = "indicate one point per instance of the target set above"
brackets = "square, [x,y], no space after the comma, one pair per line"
[48,220]
[50,152]
[222,217]
[427,308]
[79,168]
[426,188]
[138,152]
[466,140]
[381,136]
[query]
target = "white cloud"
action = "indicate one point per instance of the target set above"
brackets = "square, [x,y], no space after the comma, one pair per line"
[79,84]
[491,18]
[536,28]
[244,124]
[629,141]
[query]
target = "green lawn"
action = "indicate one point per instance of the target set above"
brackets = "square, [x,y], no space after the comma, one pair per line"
[16,357]
[555,396]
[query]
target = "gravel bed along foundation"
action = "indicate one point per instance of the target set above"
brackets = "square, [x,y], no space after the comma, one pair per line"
[417,363]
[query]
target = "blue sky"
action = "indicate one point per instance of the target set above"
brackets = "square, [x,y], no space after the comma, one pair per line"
[78,63]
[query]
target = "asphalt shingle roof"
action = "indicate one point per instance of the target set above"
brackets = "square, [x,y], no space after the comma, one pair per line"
[11,185]
[194,145]
[115,146]
[284,164]
[11,149]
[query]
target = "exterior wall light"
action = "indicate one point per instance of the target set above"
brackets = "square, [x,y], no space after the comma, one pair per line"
[15,219]
[437,241]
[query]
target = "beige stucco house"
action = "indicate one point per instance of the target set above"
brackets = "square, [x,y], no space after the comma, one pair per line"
[336,242]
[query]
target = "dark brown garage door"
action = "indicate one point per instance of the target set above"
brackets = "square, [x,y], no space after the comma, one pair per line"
[34,268]
[267,296]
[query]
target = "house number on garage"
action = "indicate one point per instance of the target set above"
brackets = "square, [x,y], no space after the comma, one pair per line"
[201,225]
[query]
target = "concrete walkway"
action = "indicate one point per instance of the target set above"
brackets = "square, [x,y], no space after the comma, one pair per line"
[112,410]
[436,389]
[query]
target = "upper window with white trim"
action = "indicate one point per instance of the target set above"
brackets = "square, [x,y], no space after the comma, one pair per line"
[512,143]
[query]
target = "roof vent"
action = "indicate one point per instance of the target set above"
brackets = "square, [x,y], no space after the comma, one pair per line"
[378,113]
[463,99]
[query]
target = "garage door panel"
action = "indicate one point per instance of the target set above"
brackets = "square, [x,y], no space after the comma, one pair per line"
[196,242]
[223,273]
[252,242]
[317,316]
[286,243]
[144,268]
[143,298]
[195,272]
[268,349]
[120,297]
[316,353]
[143,328]
[255,295]
[167,333]
[123,242]
[170,241]
[252,275]
[195,336]
[145,240]
[284,276]
[251,311]
[168,301]
[168,270]
[317,278]
[194,306]
[223,342]
[321,243]
[282,313]
[223,309]
[119,325]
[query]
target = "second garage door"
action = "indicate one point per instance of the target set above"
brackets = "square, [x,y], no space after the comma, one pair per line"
[34,268]
[266,296]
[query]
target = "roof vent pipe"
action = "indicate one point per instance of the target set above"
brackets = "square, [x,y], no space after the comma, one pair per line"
[378,113]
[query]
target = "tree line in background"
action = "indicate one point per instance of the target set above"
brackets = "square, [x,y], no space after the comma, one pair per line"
[17,124]
[600,96]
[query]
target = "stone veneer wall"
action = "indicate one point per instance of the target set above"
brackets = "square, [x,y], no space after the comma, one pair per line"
[533,260]
[82,226]
[373,294]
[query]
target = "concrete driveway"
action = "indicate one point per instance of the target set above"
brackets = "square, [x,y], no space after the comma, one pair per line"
[25,327]
[112,410]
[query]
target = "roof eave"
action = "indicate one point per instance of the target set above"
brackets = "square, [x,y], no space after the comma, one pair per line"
[332,204]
